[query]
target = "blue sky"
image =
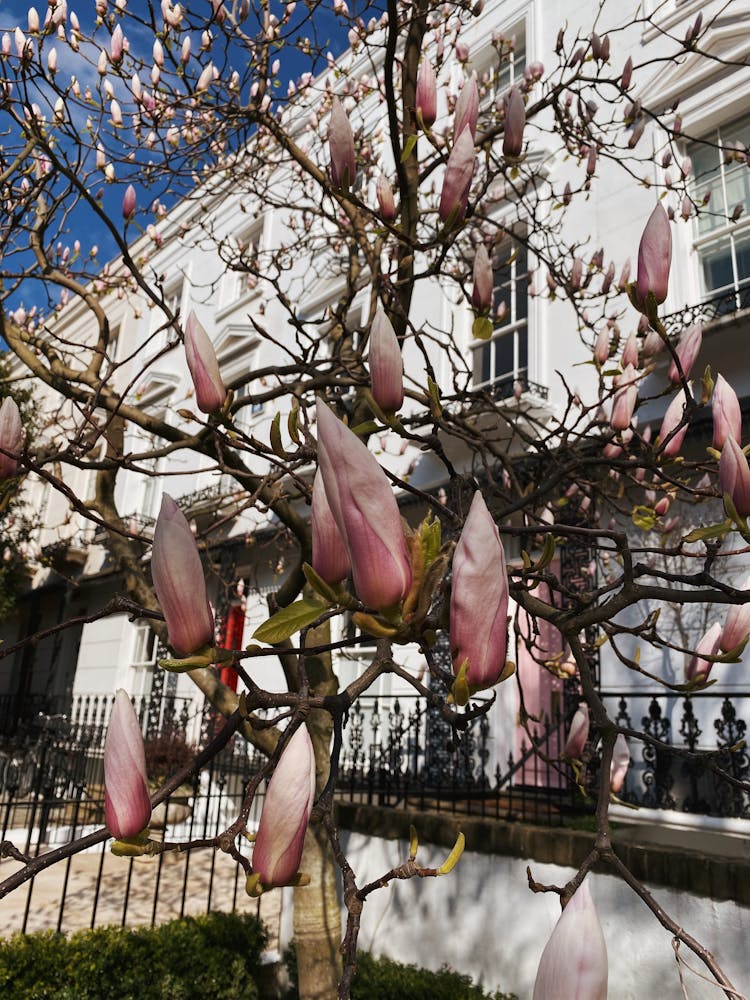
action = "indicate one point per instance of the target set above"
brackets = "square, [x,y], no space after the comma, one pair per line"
[329,31]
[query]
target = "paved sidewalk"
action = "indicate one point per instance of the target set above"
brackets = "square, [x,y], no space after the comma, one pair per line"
[194,873]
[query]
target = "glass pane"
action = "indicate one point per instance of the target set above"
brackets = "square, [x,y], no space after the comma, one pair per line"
[707,174]
[522,285]
[717,267]
[482,364]
[742,256]
[504,356]
[738,186]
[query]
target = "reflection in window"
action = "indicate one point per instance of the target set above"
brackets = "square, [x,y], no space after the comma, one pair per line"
[721,175]
[504,359]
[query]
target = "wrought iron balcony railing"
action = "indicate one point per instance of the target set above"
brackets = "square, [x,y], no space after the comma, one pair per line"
[725,303]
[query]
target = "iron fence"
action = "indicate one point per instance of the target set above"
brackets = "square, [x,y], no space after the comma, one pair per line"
[54,794]
[664,774]
[397,752]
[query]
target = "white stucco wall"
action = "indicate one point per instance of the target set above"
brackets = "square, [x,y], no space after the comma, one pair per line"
[483,921]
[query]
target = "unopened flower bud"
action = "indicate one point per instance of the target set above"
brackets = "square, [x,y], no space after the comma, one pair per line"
[210,392]
[11,437]
[574,962]
[179,582]
[386,364]
[127,805]
[286,812]
[426,97]
[654,258]
[366,513]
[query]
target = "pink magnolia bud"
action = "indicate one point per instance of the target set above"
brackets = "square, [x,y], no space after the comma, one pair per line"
[734,476]
[210,392]
[386,364]
[515,123]
[627,73]
[482,292]
[620,764]
[736,625]
[676,411]
[178,581]
[652,344]
[467,108]
[698,667]
[459,170]
[622,281]
[462,52]
[630,351]
[601,346]
[366,512]
[127,806]
[687,351]
[205,79]
[726,412]
[341,146]
[11,437]
[426,97]
[576,273]
[625,399]
[574,962]
[654,258]
[579,732]
[329,556]
[386,202]
[479,600]
[128,202]
[116,45]
[286,812]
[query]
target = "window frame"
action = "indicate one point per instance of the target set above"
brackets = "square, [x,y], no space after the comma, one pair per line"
[726,232]
[514,327]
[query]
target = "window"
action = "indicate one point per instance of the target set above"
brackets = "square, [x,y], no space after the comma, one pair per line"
[501,66]
[237,350]
[112,349]
[161,331]
[503,360]
[144,659]
[240,251]
[154,398]
[721,174]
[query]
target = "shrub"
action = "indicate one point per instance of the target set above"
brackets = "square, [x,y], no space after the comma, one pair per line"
[166,755]
[384,979]
[213,957]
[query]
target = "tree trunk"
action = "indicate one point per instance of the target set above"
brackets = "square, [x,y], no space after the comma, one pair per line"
[317,910]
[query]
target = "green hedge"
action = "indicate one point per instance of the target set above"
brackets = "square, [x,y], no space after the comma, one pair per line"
[384,979]
[214,957]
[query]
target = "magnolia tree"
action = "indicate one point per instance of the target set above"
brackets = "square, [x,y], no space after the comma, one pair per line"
[393,171]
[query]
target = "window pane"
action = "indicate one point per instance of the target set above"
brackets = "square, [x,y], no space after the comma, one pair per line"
[738,186]
[522,284]
[742,255]
[482,364]
[717,267]
[504,355]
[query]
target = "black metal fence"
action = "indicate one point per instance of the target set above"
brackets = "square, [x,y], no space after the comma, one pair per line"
[397,752]
[51,792]
[664,774]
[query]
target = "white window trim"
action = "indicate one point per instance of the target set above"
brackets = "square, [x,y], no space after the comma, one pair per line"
[256,231]
[530,323]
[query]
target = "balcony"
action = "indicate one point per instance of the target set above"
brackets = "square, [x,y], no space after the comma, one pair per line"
[726,304]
